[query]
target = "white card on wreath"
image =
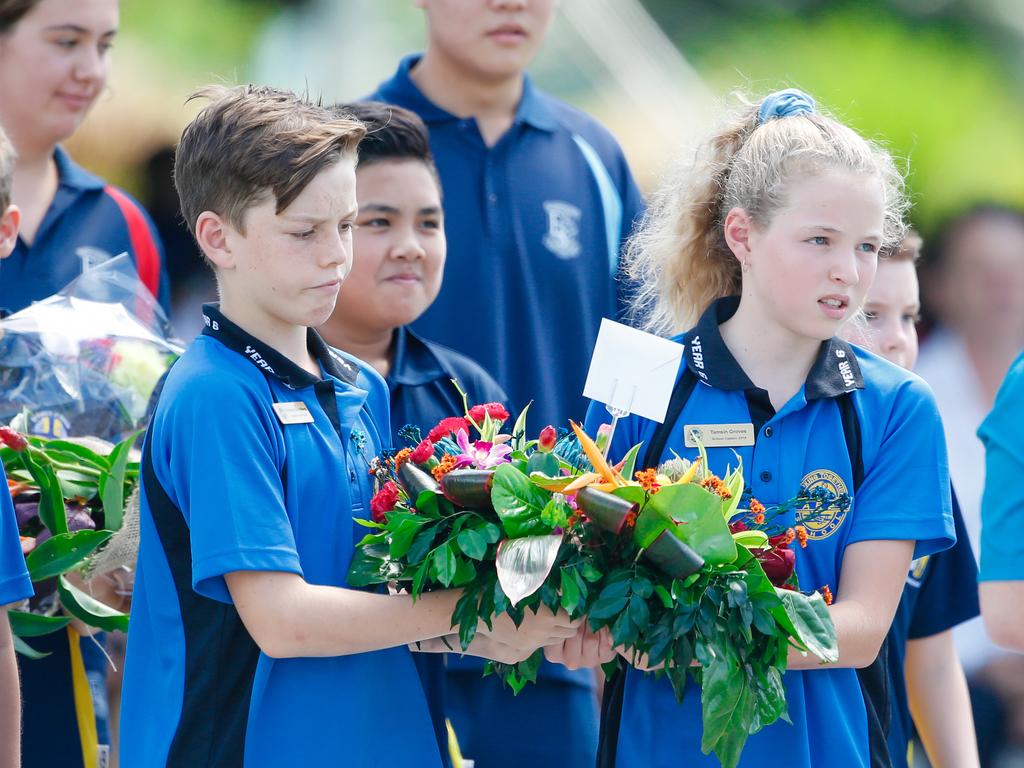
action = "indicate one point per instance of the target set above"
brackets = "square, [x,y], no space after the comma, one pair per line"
[633,371]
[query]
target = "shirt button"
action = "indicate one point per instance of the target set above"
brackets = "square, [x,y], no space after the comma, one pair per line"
[766,477]
[768,431]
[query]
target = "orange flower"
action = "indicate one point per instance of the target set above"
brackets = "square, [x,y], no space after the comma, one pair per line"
[630,520]
[790,535]
[715,485]
[446,465]
[756,507]
[801,535]
[648,479]
[401,457]
[827,594]
[759,519]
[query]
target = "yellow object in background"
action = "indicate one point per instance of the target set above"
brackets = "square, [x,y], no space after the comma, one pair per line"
[84,711]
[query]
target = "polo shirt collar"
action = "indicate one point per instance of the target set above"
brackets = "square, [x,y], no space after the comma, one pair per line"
[272,362]
[72,175]
[532,110]
[835,370]
[414,363]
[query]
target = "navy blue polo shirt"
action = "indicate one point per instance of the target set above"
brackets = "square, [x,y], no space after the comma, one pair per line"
[83,227]
[904,494]
[227,487]
[534,227]
[15,584]
[941,592]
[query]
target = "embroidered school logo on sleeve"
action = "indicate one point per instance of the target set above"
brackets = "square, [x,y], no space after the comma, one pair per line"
[563,235]
[822,520]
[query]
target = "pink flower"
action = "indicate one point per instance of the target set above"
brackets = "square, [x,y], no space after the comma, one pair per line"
[548,438]
[496,411]
[481,454]
[422,452]
[384,501]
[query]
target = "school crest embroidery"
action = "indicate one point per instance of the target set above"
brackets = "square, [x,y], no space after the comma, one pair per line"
[822,520]
[918,568]
[563,235]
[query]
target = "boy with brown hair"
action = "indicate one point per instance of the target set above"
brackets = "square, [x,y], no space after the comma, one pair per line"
[245,645]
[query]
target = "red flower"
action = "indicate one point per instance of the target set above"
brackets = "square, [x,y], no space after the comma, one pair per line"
[737,526]
[422,453]
[12,439]
[496,411]
[384,501]
[448,426]
[777,563]
[548,438]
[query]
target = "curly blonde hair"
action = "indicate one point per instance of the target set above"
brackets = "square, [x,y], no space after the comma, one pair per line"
[678,259]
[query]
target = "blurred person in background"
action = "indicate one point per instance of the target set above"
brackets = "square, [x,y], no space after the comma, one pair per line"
[974,288]
[538,201]
[54,60]
[927,686]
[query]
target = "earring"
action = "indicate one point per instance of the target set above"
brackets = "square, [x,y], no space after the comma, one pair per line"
[744,266]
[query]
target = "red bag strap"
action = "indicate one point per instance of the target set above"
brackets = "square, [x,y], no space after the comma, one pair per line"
[147,255]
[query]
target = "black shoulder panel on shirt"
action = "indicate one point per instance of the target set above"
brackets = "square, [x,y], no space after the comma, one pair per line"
[874,687]
[220,655]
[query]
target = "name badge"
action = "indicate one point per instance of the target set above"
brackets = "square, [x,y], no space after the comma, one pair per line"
[718,435]
[293,413]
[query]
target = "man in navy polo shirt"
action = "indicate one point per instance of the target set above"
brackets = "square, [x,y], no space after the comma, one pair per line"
[538,200]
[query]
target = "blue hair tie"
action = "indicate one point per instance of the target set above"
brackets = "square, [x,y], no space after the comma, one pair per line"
[787,103]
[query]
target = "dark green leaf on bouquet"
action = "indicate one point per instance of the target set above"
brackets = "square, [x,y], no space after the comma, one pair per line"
[59,553]
[489,531]
[403,536]
[68,452]
[465,572]
[570,591]
[51,498]
[702,525]
[612,600]
[769,700]
[472,544]
[728,708]
[32,624]
[112,483]
[443,562]
[90,610]
[545,463]
[518,502]
[366,566]
[809,616]
[421,544]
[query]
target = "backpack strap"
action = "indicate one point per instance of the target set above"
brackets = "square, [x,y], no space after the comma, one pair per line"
[147,255]
[680,395]
[851,432]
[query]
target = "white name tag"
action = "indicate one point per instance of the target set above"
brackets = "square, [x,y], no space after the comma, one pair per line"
[718,435]
[293,413]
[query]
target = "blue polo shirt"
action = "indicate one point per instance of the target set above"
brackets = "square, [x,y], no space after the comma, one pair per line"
[941,592]
[904,495]
[1002,432]
[227,487]
[83,227]
[15,584]
[534,227]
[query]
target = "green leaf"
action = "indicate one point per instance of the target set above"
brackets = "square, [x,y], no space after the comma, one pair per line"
[368,523]
[465,572]
[663,595]
[489,531]
[59,553]
[570,591]
[402,537]
[367,566]
[519,430]
[524,563]
[612,600]
[472,544]
[728,709]
[545,463]
[27,650]
[51,498]
[422,544]
[68,452]
[751,539]
[32,624]
[518,502]
[629,461]
[75,484]
[809,617]
[90,610]
[112,483]
[444,565]
[701,523]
